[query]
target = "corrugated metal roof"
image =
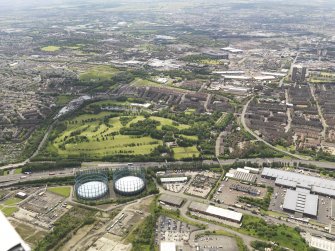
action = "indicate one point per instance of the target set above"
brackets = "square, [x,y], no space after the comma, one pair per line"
[174,179]
[291,179]
[216,211]
[171,199]
[224,213]
[302,201]
[322,244]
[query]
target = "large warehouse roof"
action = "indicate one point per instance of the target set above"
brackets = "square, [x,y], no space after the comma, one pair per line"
[174,179]
[173,200]
[242,174]
[9,238]
[224,213]
[216,211]
[322,244]
[301,201]
[291,179]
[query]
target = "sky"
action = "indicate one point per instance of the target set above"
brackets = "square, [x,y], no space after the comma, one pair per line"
[21,4]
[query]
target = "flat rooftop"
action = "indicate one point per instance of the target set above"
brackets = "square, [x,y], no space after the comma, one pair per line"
[291,179]
[301,201]
[216,211]
[174,200]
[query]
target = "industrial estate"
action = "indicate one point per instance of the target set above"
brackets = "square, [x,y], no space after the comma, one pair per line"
[167,125]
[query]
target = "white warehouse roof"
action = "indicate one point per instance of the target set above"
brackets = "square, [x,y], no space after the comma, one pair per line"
[224,213]
[174,179]
[9,238]
[322,244]
[291,179]
[301,201]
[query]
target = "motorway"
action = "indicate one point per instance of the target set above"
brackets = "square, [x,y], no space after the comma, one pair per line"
[13,179]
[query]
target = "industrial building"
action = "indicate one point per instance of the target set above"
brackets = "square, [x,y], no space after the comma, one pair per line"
[171,200]
[242,174]
[21,195]
[218,212]
[321,244]
[301,201]
[173,179]
[316,185]
[10,240]
[246,189]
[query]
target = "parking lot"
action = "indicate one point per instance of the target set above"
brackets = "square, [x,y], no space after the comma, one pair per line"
[168,229]
[225,194]
[216,243]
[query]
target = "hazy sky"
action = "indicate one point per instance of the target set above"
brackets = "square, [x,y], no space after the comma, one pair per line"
[21,4]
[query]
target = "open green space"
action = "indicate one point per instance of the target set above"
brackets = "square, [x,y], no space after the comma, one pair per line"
[18,170]
[98,73]
[50,48]
[145,82]
[64,191]
[63,99]
[28,233]
[185,152]
[11,201]
[8,211]
[285,236]
[8,207]
[281,234]
[106,134]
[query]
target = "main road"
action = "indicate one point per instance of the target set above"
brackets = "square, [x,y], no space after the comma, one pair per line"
[12,179]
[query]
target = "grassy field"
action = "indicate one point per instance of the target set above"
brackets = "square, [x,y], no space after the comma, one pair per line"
[98,73]
[18,171]
[8,211]
[50,48]
[144,82]
[28,233]
[63,99]
[168,122]
[185,152]
[8,207]
[64,191]
[102,137]
[11,201]
[284,235]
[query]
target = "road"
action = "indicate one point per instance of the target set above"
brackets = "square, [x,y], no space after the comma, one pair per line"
[12,179]
[288,113]
[323,121]
[261,139]
[247,239]
[210,226]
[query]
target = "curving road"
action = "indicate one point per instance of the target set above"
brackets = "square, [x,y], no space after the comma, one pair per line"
[20,164]
[296,156]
